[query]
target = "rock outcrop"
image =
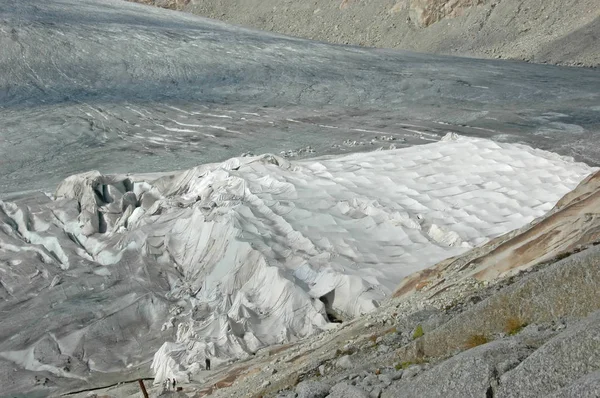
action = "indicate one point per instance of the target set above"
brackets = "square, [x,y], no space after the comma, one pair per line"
[561,362]
[427,12]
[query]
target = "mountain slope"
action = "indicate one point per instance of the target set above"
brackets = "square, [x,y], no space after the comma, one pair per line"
[535,30]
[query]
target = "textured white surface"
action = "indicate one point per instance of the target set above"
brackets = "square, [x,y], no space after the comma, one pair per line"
[223,259]
[348,227]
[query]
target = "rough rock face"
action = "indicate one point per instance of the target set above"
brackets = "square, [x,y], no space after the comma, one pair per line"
[473,373]
[558,363]
[565,365]
[427,12]
[586,387]
[539,297]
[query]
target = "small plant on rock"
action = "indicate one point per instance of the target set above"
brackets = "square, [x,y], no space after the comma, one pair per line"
[476,340]
[514,325]
[563,255]
[403,365]
[406,364]
[418,332]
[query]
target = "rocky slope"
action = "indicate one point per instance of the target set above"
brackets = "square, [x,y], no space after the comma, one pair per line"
[534,30]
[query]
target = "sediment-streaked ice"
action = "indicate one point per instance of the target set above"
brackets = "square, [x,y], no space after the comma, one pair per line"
[223,259]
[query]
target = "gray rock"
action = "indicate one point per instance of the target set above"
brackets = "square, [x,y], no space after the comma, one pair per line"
[397,374]
[561,361]
[286,394]
[345,390]
[375,393]
[322,370]
[312,389]
[383,349]
[345,362]
[370,380]
[395,339]
[564,289]
[507,365]
[385,379]
[585,387]
[412,372]
[469,374]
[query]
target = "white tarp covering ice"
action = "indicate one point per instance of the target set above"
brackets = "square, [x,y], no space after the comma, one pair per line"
[223,259]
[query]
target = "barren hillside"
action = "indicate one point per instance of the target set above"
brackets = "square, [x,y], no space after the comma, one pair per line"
[555,31]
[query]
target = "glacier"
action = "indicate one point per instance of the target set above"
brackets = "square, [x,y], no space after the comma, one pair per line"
[225,258]
[175,248]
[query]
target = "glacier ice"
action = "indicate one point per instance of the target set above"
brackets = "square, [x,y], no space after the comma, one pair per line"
[223,259]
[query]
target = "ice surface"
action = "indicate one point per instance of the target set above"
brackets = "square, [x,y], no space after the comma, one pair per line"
[121,87]
[223,259]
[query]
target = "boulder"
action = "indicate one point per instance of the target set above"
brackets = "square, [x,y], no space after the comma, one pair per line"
[345,390]
[386,379]
[345,362]
[312,389]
